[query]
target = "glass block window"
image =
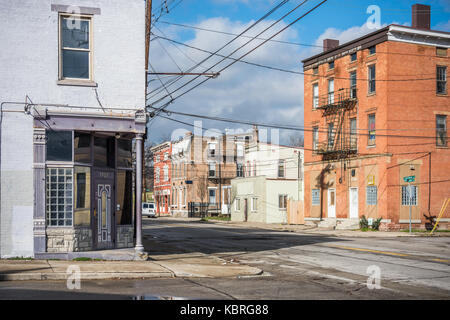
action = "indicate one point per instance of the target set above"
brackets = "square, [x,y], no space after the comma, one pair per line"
[371,195]
[59,197]
[315,196]
[408,198]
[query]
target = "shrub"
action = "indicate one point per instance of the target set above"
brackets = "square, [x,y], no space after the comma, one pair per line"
[376,224]
[363,223]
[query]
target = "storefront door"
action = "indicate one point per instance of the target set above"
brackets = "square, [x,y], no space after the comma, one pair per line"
[104,213]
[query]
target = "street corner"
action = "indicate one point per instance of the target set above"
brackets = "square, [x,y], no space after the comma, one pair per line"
[208,267]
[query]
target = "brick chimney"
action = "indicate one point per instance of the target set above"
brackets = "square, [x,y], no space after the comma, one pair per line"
[421,16]
[329,44]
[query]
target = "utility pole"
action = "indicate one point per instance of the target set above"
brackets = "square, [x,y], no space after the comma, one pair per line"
[148,24]
[220,176]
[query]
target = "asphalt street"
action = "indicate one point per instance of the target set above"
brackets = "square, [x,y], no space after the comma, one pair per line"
[296,266]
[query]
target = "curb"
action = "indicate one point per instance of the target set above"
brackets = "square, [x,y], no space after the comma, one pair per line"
[84,276]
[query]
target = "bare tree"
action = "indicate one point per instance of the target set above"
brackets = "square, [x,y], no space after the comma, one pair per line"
[296,140]
[202,192]
[148,165]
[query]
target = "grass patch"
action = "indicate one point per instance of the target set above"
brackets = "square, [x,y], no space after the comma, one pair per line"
[423,230]
[20,259]
[219,218]
[86,259]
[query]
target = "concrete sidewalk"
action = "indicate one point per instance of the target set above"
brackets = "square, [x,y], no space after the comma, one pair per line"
[194,265]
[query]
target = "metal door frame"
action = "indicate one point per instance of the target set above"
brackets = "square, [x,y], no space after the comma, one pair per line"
[102,177]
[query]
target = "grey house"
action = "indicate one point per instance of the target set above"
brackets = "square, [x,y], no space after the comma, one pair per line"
[72,93]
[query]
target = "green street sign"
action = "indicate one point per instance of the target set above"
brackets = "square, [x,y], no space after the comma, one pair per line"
[409,178]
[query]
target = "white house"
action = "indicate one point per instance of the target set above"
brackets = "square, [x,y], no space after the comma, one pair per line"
[72,93]
[273,175]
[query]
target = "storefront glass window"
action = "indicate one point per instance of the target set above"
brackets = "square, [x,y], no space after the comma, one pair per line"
[125,208]
[82,147]
[82,196]
[124,153]
[104,152]
[59,145]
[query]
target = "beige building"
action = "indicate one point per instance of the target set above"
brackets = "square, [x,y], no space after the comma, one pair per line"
[202,169]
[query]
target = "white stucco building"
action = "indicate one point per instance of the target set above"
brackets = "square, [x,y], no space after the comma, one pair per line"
[72,93]
[273,176]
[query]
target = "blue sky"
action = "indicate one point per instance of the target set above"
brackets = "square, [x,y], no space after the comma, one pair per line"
[247,92]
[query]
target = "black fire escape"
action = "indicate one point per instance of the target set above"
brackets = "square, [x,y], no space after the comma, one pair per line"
[341,140]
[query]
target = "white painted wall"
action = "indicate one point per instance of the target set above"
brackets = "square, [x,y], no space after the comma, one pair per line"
[29,66]
[267,156]
[29,55]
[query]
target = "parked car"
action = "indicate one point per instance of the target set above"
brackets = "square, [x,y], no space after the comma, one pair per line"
[149,209]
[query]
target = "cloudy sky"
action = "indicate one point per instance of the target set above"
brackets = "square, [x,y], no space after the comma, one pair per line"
[243,91]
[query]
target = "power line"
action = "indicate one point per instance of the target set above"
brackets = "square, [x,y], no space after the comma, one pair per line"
[286,127]
[282,3]
[258,46]
[235,34]
[293,71]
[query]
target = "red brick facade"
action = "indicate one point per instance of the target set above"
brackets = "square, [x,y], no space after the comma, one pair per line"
[404,105]
[162,173]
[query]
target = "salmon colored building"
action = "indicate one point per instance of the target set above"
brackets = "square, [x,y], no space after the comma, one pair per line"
[377,111]
[162,172]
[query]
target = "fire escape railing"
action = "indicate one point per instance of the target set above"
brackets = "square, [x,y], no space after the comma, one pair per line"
[341,140]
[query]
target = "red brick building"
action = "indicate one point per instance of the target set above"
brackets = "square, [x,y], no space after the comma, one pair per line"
[378,108]
[162,172]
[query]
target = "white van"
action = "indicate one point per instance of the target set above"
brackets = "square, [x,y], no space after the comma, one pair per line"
[149,209]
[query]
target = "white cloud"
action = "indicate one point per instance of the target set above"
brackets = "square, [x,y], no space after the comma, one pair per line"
[242,92]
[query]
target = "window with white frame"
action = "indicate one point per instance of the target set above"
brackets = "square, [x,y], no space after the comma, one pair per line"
[239,170]
[157,173]
[409,196]
[240,150]
[315,197]
[353,84]
[371,136]
[211,169]
[211,150]
[166,173]
[166,156]
[282,201]
[281,169]
[315,137]
[441,79]
[237,204]
[254,204]
[315,95]
[371,79]
[441,130]
[212,196]
[331,91]
[75,47]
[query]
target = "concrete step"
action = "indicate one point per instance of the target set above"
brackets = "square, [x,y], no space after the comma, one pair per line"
[327,223]
[347,224]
